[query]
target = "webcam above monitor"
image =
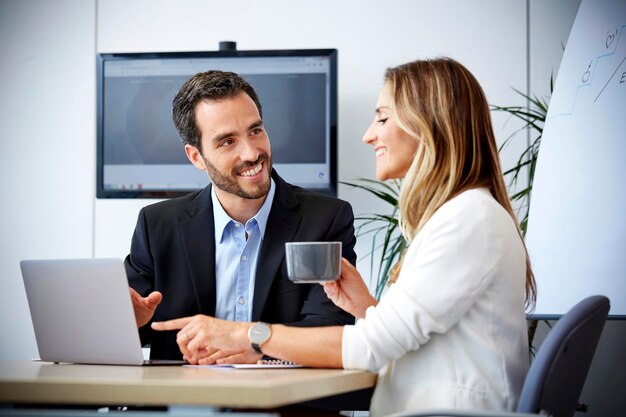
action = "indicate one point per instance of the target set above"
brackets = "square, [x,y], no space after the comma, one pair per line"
[141,155]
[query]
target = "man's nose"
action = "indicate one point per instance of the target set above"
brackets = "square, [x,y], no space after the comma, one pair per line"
[249,151]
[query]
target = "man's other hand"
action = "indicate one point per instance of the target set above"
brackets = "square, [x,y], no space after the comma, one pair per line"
[144,306]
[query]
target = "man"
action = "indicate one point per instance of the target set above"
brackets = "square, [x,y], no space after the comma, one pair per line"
[220,251]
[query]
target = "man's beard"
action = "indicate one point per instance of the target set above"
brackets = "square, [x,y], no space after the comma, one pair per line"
[229,184]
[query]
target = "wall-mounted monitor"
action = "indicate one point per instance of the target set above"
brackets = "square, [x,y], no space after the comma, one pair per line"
[139,151]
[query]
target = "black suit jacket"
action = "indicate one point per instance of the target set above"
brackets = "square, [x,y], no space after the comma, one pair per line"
[173,251]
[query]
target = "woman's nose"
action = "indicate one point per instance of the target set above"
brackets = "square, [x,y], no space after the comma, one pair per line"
[370,136]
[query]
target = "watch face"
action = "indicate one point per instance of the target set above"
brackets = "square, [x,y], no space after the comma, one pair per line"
[259,333]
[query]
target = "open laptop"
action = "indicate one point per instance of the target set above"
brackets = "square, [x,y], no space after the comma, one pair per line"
[82,312]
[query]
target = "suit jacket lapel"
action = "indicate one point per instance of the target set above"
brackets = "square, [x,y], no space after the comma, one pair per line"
[282,225]
[198,236]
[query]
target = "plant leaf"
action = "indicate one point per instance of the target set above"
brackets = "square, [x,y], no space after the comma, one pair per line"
[534,117]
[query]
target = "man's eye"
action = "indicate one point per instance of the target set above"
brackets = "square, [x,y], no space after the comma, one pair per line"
[256,131]
[227,142]
[382,121]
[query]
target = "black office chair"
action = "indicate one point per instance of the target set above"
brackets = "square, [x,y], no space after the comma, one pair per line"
[558,372]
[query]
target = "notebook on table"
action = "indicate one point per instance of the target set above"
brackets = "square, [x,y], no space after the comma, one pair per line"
[82,312]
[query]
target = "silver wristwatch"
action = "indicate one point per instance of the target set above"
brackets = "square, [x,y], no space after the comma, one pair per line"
[258,334]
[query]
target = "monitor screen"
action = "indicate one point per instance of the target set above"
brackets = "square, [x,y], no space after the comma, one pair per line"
[140,153]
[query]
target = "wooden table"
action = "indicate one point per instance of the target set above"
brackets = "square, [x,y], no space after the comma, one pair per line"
[47,383]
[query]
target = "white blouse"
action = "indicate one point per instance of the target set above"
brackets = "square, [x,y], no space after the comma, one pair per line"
[451,332]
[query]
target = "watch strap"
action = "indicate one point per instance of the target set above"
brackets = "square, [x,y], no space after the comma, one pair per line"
[256,347]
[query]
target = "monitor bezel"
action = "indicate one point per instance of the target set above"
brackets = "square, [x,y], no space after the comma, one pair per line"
[101,58]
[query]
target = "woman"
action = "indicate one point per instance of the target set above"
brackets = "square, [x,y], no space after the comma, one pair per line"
[451,330]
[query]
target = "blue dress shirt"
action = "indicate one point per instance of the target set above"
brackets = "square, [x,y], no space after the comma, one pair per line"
[236,258]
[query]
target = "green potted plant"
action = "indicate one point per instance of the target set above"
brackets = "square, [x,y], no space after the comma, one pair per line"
[382,229]
[533,117]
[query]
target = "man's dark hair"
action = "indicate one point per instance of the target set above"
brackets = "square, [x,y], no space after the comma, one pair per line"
[209,85]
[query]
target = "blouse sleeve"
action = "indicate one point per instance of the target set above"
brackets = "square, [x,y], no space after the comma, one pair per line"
[446,269]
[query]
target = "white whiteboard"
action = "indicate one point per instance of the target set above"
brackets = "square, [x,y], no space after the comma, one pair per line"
[577,221]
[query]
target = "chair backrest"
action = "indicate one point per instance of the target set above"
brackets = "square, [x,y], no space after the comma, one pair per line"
[558,372]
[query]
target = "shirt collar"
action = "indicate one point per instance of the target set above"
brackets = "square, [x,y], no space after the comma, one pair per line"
[222,219]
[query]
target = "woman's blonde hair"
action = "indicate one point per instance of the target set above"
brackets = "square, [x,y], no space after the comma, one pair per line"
[441,104]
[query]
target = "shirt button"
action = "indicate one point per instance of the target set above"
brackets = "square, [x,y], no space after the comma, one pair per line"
[237,224]
[244,258]
[242,300]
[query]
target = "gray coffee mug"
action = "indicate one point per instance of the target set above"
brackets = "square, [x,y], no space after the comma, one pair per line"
[309,262]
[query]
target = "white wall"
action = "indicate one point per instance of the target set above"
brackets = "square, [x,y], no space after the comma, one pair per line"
[550,25]
[47,127]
